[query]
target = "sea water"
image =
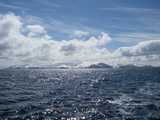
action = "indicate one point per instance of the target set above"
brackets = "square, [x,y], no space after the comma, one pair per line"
[80,94]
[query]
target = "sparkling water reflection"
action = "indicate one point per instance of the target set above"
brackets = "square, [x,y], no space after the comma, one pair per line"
[80,94]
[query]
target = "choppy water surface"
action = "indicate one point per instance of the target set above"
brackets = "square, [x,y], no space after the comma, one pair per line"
[80,94]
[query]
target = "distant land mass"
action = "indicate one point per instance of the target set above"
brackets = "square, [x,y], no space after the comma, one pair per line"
[133,66]
[68,66]
[100,65]
[62,68]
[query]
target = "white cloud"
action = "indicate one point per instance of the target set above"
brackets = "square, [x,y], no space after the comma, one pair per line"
[37,47]
[69,49]
[142,49]
[92,41]
[79,33]
[145,52]
[21,47]
[9,24]
[35,30]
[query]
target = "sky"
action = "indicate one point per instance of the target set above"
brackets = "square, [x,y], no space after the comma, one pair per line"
[79,32]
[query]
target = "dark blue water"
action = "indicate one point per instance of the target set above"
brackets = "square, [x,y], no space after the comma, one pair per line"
[80,94]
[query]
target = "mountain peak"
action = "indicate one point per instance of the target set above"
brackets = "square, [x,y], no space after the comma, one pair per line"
[99,65]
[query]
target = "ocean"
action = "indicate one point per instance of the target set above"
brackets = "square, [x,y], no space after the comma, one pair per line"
[80,94]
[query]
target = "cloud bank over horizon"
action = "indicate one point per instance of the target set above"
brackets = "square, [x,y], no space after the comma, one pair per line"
[22,43]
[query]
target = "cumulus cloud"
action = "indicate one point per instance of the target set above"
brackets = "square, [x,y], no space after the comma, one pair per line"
[9,24]
[30,44]
[92,41]
[143,48]
[144,52]
[15,45]
[69,49]
[35,30]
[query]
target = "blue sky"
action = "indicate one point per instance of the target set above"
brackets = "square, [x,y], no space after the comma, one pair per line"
[128,23]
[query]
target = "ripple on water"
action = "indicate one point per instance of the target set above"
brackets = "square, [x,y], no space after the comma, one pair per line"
[80,94]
